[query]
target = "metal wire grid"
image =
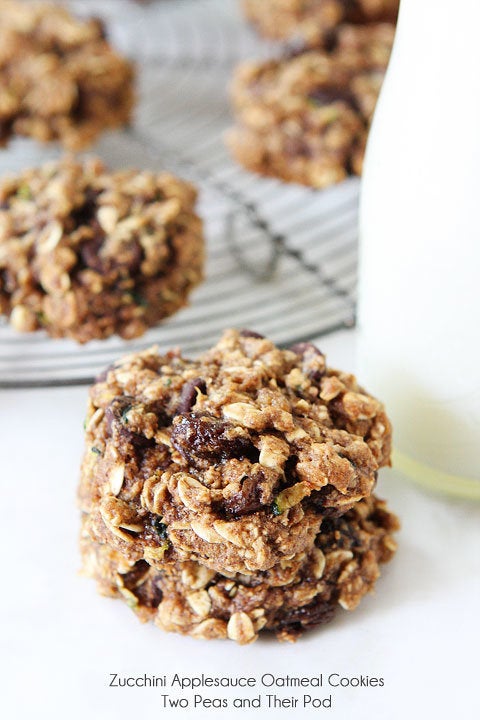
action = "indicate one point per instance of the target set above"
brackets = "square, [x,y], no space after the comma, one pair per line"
[281,258]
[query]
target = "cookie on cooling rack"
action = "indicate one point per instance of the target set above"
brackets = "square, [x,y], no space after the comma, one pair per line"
[231,460]
[86,253]
[338,570]
[308,21]
[59,77]
[305,118]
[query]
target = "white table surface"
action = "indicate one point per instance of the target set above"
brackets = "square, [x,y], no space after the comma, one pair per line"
[61,641]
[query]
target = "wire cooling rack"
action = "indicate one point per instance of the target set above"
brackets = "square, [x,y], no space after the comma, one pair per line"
[281,258]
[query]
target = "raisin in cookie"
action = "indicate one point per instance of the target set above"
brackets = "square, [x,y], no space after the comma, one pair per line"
[310,19]
[59,77]
[305,118]
[191,599]
[231,460]
[86,253]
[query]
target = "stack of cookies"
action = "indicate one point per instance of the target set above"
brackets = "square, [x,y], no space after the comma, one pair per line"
[305,117]
[233,493]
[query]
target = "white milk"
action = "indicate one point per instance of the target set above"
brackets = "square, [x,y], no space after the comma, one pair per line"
[419,295]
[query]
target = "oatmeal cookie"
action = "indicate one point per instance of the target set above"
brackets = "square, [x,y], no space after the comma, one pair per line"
[86,253]
[305,118]
[310,19]
[231,460]
[191,599]
[59,77]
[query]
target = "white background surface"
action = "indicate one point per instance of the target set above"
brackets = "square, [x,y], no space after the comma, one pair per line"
[60,640]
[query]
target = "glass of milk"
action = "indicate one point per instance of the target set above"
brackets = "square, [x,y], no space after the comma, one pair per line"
[419,290]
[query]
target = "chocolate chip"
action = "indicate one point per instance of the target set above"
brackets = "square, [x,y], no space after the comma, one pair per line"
[103,375]
[86,216]
[330,40]
[318,500]
[337,532]
[149,594]
[315,613]
[5,129]
[117,420]
[139,442]
[251,334]
[337,412]
[157,408]
[86,213]
[303,348]
[188,396]
[201,437]
[249,499]
[100,27]
[297,146]
[381,518]
[8,281]
[290,471]
[131,256]
[327,526]
[328,94]
[311,356]
[138,571]
[90,257]
[294,49]
[117,410]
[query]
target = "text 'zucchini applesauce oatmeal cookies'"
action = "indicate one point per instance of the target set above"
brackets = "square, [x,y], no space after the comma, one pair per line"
[308,20]
[234,464]
[86,253]
[305,117]
[59,77]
